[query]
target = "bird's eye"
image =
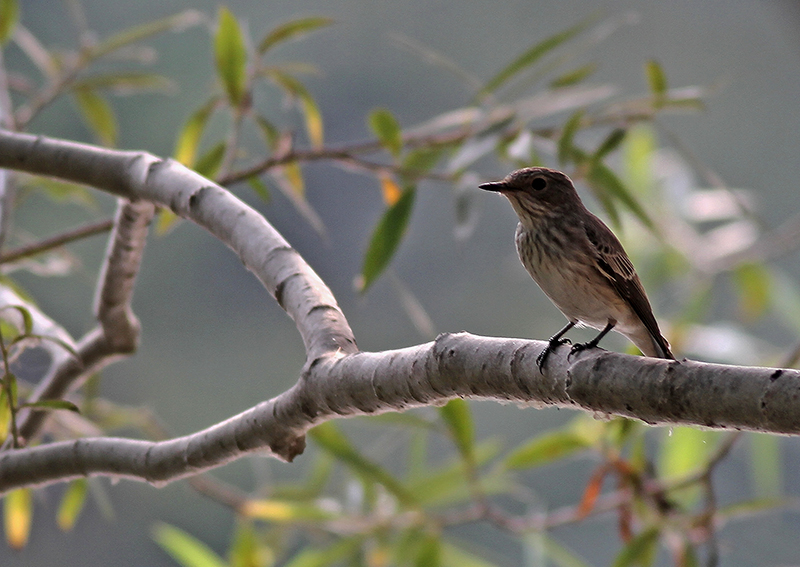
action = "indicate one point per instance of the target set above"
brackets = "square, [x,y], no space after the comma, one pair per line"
[538,183]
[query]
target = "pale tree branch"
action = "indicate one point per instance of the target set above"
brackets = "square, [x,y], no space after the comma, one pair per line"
[340,381]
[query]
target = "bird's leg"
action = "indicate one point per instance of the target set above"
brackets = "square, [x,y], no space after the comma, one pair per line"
[593,343]
[554,341]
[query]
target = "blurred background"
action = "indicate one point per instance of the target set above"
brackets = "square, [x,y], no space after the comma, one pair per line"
[215,343]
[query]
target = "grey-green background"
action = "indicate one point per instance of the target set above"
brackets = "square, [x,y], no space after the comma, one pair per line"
[214,343]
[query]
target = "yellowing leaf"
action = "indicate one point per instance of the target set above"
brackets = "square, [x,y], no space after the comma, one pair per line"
[313,117]
[71,504]
[391,190]
[165,221]
[9,14]
[754,284]
[98,115]
[184,548]
[294,175]
[546,448]
[292,30]
[231,56]
[5,415]
[191,133]
[18,513]
[283,511]
[457,417]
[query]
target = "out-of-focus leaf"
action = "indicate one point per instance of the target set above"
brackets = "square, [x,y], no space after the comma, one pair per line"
[284,511]
[26,317]
[292,30]
[71,504]
[5,415]
[641,550]
[386,238]
[230,55]
[390,189]
[209,163]
[603,180]
[560,555]
[271,134]
[289,179]
[52,405]
[185,549]
[331,439]
[545,448]
[18,514]
[656,78]
[259,187]
[386,128]
[189,137]
[566,146]
[683,451]
[246,549]
[98,115]
[62,191]
[422,160]
[452,556]
[313,117]
[9,14]
[430,552]
[637,150]
[611,143]
[754,284]
[786,299]
[458,418]
[331,555]
[294,175]
[176,22]
[532,55]
[166,220]
[755,507]
[574,77]
[765,464]
[125,83]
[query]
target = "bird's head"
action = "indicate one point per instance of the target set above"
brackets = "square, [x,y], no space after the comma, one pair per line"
[537,191]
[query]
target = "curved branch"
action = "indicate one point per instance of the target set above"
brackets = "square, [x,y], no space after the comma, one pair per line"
[454,365]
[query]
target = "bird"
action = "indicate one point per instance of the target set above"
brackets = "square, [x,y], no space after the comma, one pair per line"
[578,262]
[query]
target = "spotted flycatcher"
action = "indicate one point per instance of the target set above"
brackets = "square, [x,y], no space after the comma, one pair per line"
[578,262]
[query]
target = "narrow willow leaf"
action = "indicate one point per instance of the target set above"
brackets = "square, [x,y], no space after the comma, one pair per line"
[27,318]
[566,145]
[574,77]
[765,465]
[545,448]
[294,175]
[334,554]
[453,556]
[98,115]
[284,511]
[559,555]
[532,55]
[17,515]
[52,405]
[311,112]
[230,56]
[292,30]
[185,549]
[55,340]
[640,550]
[166,221]
[657,81]
[71,504]
[209,163]
[268,130]
[332,440]
[456,415]
[430,552]
[125,83]
[610,143]
[754,284]
[5,415]
[422,160]
[386,238]
[606,183]
[259,188]
[390,189]
[9,14]
[190,135]
[247,550]
[386,128]
[176,22]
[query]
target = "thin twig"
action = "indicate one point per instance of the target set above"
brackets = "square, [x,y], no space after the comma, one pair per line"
[57,240]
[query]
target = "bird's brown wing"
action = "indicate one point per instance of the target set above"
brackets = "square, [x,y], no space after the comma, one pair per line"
[614,264]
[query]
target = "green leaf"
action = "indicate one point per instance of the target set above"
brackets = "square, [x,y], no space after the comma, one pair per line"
[9,14]
[641,550]
[5,415]
[566,146]
[532,55]
[456,415]
[125,83]
[388,131]
[574,77]
[292,30]
[311,112]
[208,164]
[17,516]
[685,450]
[98,115]
[176,22]
[331,555]
[52,405]
[71,504]
[259,187]
[422,160]
[430,552]
[765,465]
[246,550]
[231,56]
[184,548]
[331,439]
[27,318]
[611,143]
[657,81]
[606,183]
[545,448]
[754,284]
[453,556]
[638,150]
[560,555]
[55,340]
[386,238]
[190,135]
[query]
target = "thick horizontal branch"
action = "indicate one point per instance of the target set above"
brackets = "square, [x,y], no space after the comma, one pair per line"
[659,392]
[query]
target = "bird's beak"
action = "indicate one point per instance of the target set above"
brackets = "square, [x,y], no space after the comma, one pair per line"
[497,186]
